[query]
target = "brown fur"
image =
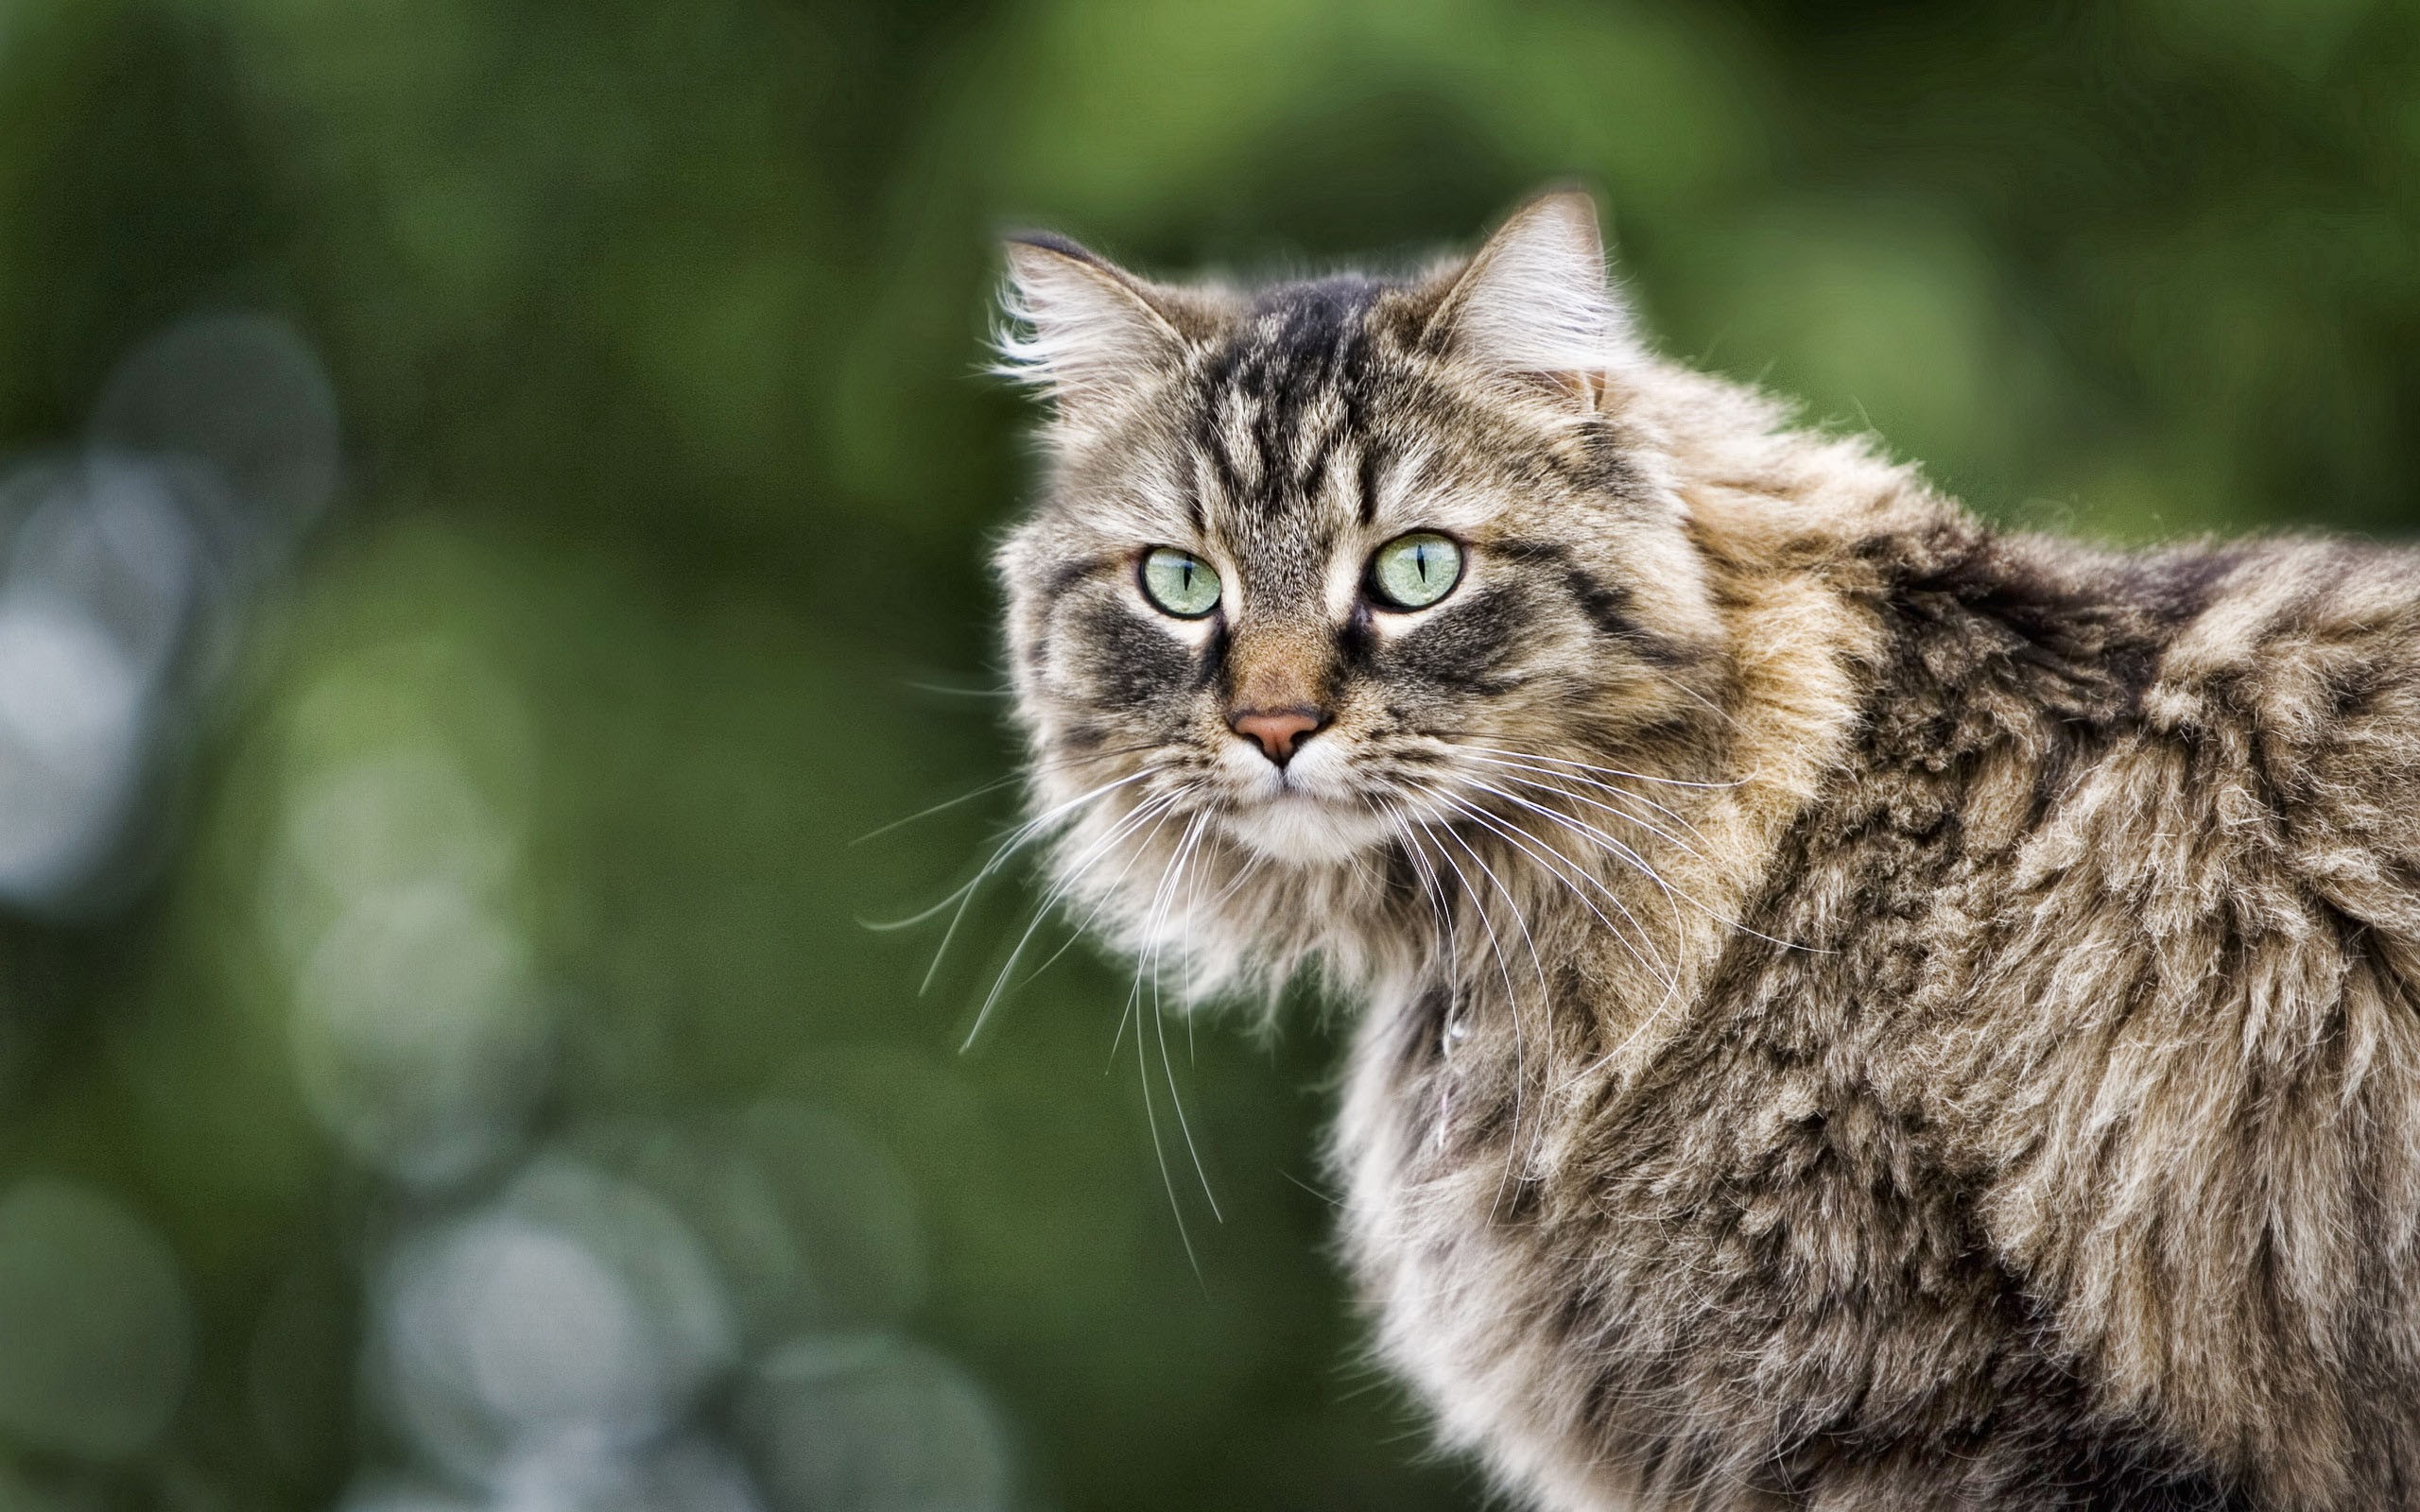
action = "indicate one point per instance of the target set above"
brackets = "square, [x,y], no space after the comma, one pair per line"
[1941,1029]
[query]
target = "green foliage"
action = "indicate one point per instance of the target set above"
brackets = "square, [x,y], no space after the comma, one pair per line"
[657,579]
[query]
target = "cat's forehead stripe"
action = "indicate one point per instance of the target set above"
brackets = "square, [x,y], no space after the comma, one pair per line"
[1285,388]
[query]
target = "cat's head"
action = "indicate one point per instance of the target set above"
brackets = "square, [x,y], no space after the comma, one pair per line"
[1324,559]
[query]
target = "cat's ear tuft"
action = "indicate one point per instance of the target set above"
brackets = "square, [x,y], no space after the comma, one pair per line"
[1079,327]
[1534,303]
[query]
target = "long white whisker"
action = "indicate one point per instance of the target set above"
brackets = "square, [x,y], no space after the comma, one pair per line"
[1537,962]
[1159,1153]
[1619,850]
[1671,995]
[1599,786]
[1184,857]
[1609,771]
[1083,926]
[994,785]
[1512,1155]
[1144,956]
[1567,772]
[1654,967]
[1059,891]
[1654,1016]
[1554,862]
[1495,946]
[1021,836]
[1119,1038]
[1639,863]
[941,807]
[1678,686]
[1432,889]
[1614,847]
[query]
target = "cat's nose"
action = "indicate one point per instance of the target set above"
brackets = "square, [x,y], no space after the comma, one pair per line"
[1278,731]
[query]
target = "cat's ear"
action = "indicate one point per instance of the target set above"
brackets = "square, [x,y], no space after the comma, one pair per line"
[1080,328]
[1534,303]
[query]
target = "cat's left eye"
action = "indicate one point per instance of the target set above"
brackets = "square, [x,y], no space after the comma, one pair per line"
[1180,582]
[1415,571]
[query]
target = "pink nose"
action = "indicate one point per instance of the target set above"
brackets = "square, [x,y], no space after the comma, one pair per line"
[1277,730]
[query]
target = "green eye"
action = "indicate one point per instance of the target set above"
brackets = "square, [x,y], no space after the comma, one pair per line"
[1180,582]
[1415,571]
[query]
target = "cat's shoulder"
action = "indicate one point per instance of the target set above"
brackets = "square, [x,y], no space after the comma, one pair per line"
[2295,688]
[2295,646]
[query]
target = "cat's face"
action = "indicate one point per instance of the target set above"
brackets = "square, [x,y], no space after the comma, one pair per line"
[1323,562]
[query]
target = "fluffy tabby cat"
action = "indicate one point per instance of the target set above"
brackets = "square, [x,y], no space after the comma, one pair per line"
[1857,1008]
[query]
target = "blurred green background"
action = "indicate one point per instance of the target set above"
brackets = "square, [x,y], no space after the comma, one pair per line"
[493,501]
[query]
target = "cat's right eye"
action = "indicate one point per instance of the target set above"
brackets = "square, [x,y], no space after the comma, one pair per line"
[1180,582]
[1415,571]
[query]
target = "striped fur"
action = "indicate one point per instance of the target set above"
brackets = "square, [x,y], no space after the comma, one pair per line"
[1859,1010]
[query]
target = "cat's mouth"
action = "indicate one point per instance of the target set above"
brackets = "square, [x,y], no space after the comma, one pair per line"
[1298,826]
[1301,813]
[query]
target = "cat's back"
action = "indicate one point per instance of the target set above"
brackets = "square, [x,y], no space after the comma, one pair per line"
[2225,734]
[2096,1034]
[2158,923]
[2055,1102]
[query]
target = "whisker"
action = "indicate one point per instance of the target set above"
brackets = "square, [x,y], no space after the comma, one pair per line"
[1615,847]
[1119,1038]
[1610,771]
[1644,951]
[941,807]
[1599,786]
[994,785]
[1678,686]
[1142,1062]
[1058,891]
[1639,863]
[1023,835]
[1017,837]
[1655,967]
[1184,855]
[1084,926]
[1142,954]
[1512,1155]
[1613,790]
[1432,889]
[948,692]
[1478,905]
[1655,1017]
[1150,1117]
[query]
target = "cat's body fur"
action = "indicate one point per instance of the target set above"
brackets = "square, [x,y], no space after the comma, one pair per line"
[1934,1021]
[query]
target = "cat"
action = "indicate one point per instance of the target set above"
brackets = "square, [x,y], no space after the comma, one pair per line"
[1855,1008]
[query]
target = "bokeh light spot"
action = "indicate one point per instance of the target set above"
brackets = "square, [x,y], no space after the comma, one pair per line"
[95,1331]
[873,1423]
[576,1314]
